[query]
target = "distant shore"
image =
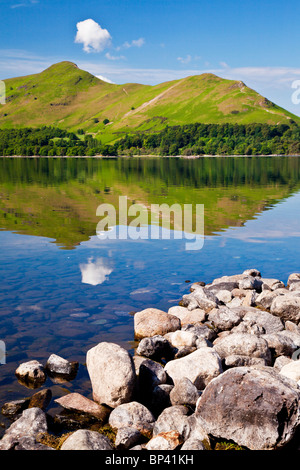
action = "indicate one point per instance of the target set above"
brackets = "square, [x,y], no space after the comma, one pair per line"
[108,157]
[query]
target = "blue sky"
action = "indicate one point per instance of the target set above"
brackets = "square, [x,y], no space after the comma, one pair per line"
[154,41]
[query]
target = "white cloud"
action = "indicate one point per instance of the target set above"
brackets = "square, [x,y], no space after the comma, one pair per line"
[185,60]
[94,273]
[104,79]
[134,43]
[92,36]
[25,4]
[114,57]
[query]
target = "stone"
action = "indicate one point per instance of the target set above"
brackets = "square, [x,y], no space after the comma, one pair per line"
[165,441]
[151,374]
[217,287]
[193,444]
[291,370]
[152,321]
[200,367]
[127,437]
[273,284]
[112,373]
[155,347]
[41,399]
[184,393]
[270,323]
[185,350]
[252,272]
[295,286]
[57,365]
[281,344]
[280,362]
[160,398]
[84,439]
[180,338]
[31,373]
[32,422]
[243,344]
[265,299]
[224,296]
[134,415]
[29,443]
[235,360]
[205,331]
[12,408]
[249,326]
[200,298]
[256,408]
[186,316]
[252,283]
[287,307]
[292,278]
[173,418]
[78,403]
[224,318]
[250,298]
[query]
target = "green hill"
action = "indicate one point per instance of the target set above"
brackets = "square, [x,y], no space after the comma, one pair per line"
[67,97]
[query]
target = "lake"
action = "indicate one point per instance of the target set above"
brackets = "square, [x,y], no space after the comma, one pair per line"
[63,289]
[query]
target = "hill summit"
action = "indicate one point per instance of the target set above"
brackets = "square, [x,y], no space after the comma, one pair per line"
[65,96]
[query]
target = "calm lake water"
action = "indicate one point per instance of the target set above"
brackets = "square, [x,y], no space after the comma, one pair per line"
[63,289]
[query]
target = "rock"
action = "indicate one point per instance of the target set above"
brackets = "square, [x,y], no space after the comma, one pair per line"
[273,284]
[224,318]
[186,316]
[29,443]
[180,338]
[32,422]
[293,278]
[265,299]
[217,287]
[31,374]
[127,437]
[224,296]
[185,350]
[165,441]
[151,374]
[205,331]
[243,344]
[112,373]
[15,407]
[200,298]
[193,444]
[250,327]
[84,439]
[249,299]
[235,360]
[200,367]
[160,398]
[287,307]
[281,344]
[156,348]
[151,322]
[295,286]
[252,283]
[134,415]
[57,365]
[79,403]
[252,272]
[233,278]
[173,418]
[184,393]
[280,362]
[291,370]
[257,409]
[40,399]
[267,321]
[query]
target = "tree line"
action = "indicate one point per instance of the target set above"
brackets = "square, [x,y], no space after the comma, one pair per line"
[190,139]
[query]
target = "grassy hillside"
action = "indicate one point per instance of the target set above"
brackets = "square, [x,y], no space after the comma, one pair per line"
[70,98]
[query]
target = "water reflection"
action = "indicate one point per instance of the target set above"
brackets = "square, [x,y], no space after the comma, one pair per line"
[95,272]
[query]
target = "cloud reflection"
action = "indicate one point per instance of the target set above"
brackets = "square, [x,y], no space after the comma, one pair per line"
[95,272]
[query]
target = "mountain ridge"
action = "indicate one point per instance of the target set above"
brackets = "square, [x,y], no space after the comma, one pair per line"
[65,96]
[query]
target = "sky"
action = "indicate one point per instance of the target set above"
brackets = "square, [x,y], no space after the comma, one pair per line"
[154,41]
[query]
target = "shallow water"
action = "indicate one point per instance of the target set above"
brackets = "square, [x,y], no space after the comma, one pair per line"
[63,289]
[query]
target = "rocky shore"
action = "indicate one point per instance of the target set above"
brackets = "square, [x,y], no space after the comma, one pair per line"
[219,370]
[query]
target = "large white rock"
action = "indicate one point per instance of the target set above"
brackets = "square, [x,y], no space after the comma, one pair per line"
[152,321]
[112,373]
[200,367]
[84,439]
[291,370]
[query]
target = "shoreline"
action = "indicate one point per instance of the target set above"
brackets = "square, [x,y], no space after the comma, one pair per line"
[208,374]
[114,157]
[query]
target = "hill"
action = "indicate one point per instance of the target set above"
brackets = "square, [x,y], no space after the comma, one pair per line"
[65,96]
